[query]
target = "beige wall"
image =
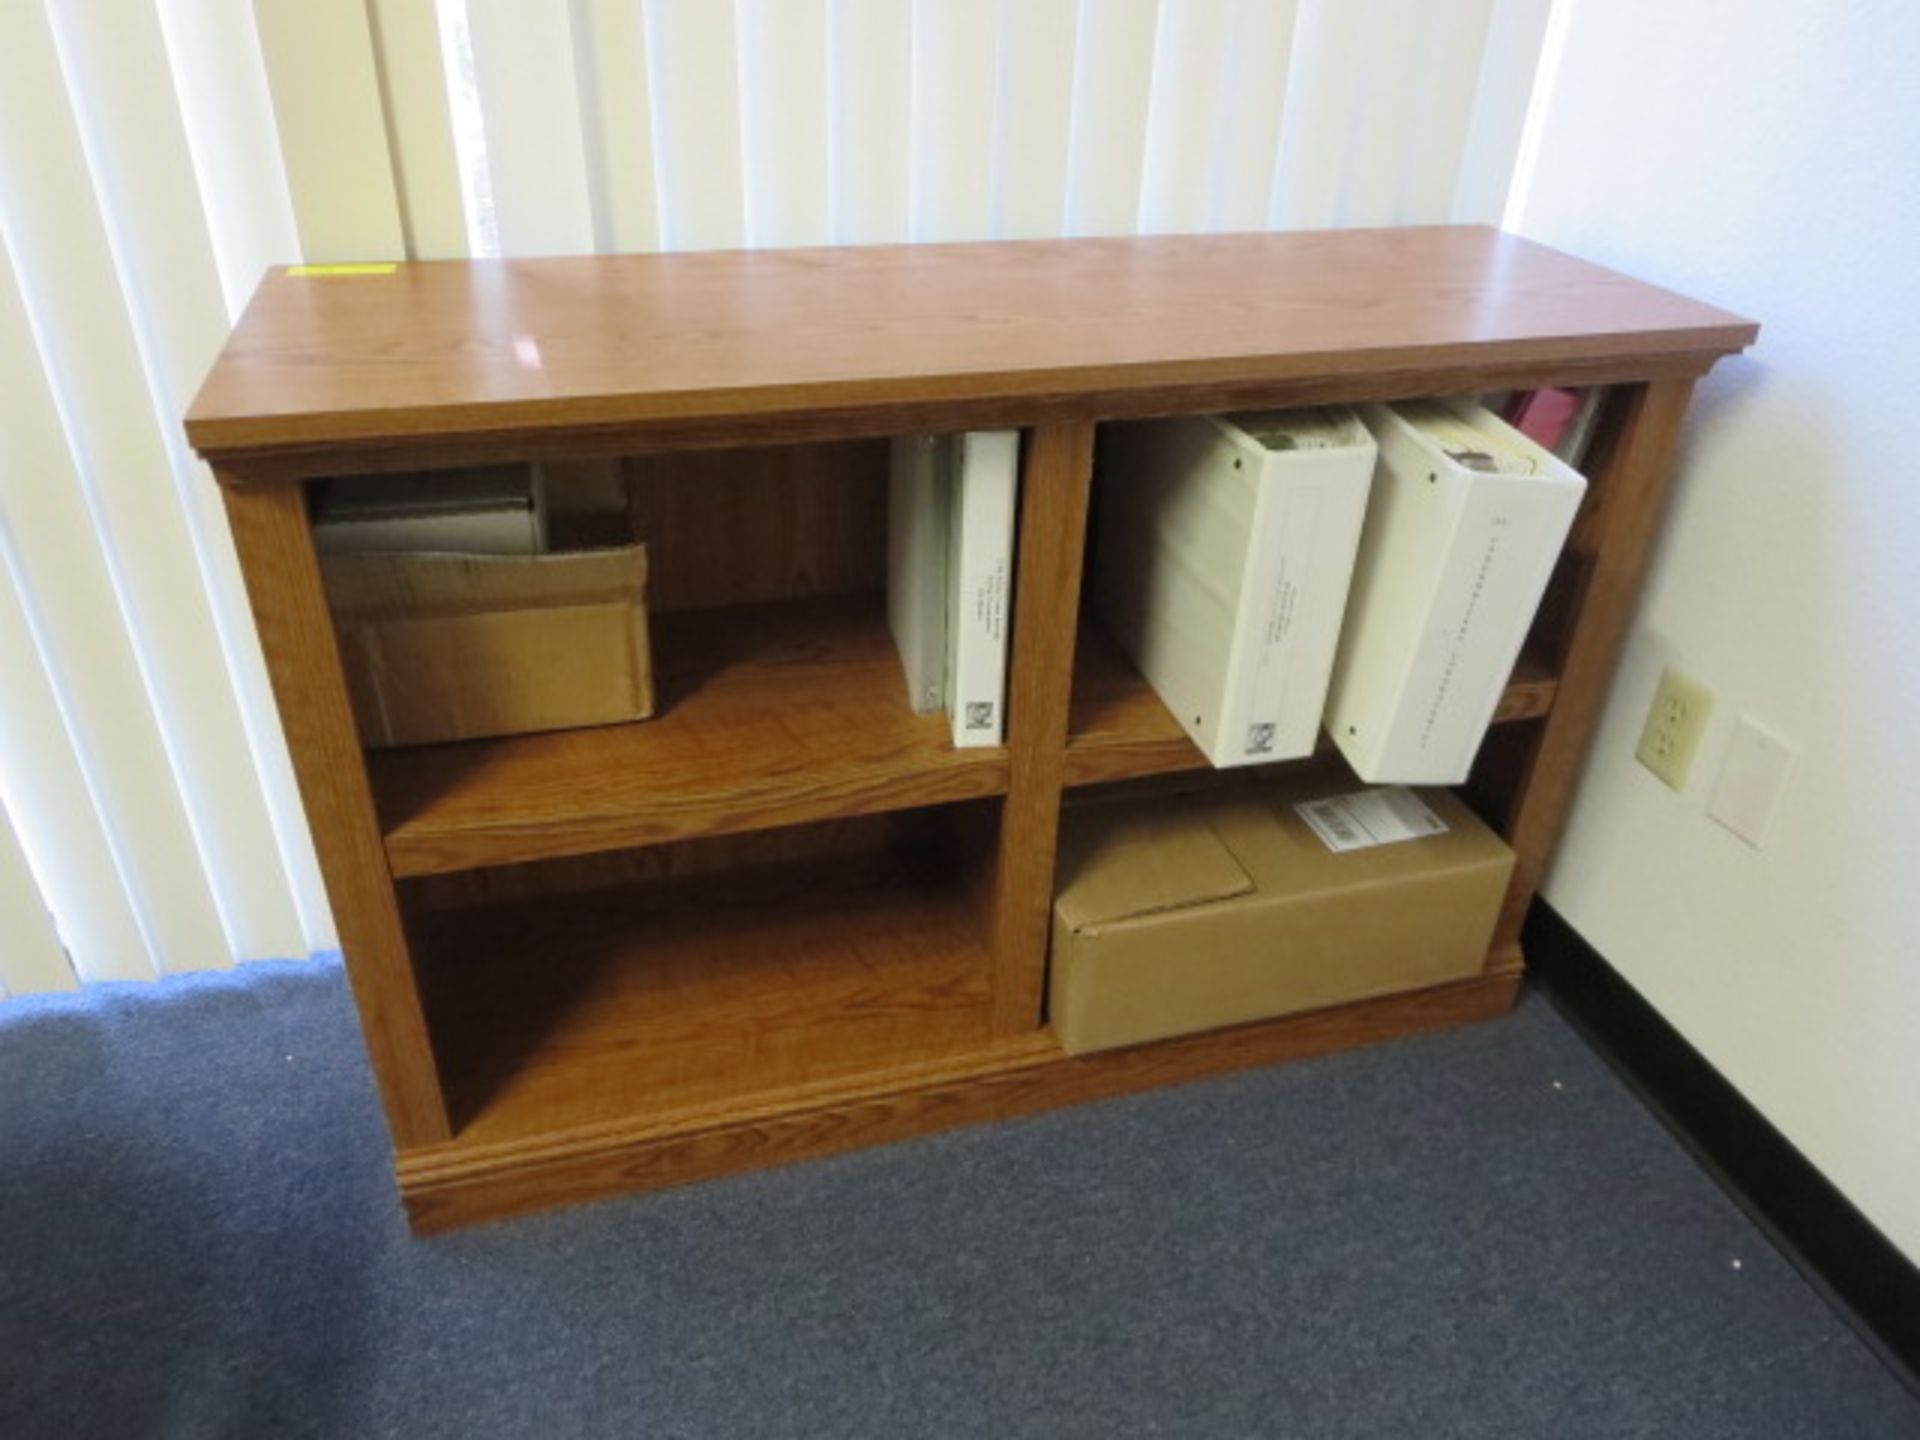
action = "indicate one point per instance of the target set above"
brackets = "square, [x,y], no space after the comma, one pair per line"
[1763,156]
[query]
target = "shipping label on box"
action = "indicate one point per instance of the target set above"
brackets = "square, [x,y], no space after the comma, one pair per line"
[1382,815]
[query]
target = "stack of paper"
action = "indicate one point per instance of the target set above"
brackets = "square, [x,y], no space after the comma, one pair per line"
[494,510]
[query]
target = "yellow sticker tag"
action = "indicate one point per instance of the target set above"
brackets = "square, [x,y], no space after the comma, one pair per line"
[301,272]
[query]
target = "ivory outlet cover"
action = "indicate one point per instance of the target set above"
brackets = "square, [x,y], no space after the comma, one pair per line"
[1675,722]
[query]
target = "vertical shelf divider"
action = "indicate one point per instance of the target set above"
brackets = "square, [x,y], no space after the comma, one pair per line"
[1055,483]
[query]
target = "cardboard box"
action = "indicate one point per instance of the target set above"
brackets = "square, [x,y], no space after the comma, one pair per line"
[1192,912]
[458,647]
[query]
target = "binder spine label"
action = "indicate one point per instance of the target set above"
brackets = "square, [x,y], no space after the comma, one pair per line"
[986,617]
[1462,633]
[985,487]
[1272,726]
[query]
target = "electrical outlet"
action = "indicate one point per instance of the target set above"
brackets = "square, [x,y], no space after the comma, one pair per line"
[1675,722]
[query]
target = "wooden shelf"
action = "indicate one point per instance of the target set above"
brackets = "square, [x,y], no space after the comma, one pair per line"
[770,715]
[1118,729]
[464,1182]
[552,1015]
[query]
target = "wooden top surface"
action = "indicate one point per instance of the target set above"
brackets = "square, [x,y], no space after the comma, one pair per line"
[466,349]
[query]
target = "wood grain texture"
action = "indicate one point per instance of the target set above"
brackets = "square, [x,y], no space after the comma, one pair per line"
[730,527]
[1610,544]
[714,1015]
[584,490]
[1530,694]
[1506,960]
[726,864]
[623,1005]
[486,349]
[275,545]
[591,443]
[1056,476]
[460,1184]
[1119,729]
[768,715]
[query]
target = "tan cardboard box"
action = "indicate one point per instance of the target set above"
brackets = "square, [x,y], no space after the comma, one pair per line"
[1187,913]
[457,647]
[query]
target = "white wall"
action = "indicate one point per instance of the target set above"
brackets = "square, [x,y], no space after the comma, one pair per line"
[1763,156]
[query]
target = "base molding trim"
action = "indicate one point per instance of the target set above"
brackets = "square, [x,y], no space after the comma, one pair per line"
[449,1185]
[1841,1250]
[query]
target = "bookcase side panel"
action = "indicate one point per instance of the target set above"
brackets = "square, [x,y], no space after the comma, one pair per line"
[1609,549]
[275,544]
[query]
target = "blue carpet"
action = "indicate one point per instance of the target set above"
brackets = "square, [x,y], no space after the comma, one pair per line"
[1478,1233]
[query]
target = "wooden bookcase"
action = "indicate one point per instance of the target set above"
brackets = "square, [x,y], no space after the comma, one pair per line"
[786,917]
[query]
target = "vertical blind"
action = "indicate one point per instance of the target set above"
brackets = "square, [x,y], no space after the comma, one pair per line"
[157,155]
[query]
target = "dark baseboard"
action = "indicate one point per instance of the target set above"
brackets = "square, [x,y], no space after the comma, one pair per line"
[1817,1227]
